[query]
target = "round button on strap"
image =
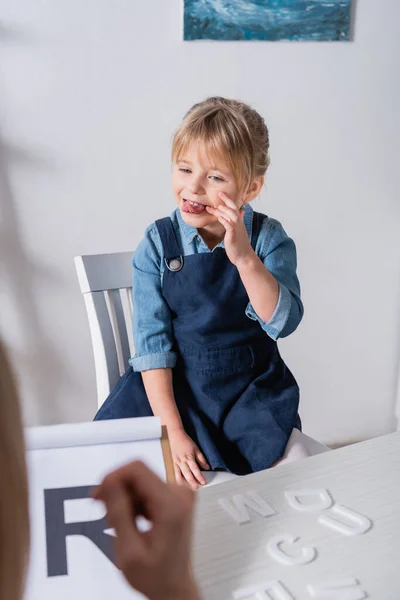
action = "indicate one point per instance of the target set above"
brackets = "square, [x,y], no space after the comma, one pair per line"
[175,264]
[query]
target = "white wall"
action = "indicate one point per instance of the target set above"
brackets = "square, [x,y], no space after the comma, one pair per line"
[89,95]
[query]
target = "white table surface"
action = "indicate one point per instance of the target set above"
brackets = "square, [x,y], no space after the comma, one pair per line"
[364,478]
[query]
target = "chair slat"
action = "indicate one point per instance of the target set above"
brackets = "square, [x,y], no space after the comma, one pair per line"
[119,329]
[126,299]
[105,355]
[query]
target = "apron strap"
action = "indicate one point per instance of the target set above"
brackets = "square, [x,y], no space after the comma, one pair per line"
[258,219]
[173,254]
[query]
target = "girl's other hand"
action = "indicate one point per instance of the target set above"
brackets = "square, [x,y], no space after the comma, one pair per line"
[155,562]
[187,459]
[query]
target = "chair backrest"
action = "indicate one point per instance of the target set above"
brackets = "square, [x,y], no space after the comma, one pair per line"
[106,285]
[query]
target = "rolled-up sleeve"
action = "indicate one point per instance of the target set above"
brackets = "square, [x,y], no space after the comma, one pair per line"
[152,328]
[278,253]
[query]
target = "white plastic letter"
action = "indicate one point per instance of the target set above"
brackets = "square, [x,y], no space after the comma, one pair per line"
[306,555]
[357,525]
[322,500]
[342,589]
[237,509]
[263,592]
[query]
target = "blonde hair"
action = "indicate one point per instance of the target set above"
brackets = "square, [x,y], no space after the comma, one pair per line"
[14,516]
[231,130]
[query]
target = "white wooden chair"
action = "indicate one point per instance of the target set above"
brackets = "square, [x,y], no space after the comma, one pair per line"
[106,285]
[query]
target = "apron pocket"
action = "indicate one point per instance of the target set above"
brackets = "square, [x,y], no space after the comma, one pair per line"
[216,360]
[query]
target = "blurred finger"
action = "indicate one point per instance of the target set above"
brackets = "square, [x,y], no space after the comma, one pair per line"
[142,485]
[120,515]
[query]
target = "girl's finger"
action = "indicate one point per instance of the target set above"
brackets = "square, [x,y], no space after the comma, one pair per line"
[225,223]
[232,215]
[188,475]
[232,209]
[202,460]
[218,213]
[178,475]
[225,198]
[196,471]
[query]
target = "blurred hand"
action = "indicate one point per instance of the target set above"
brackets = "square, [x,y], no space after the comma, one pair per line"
[187,459]
[155,562]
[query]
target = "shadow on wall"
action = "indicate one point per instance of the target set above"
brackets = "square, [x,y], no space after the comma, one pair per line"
[40,371]
[353,14]
[394,423]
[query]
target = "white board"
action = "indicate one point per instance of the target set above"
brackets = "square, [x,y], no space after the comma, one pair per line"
[71,459]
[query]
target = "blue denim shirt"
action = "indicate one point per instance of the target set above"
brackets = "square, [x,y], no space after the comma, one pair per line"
[152,327]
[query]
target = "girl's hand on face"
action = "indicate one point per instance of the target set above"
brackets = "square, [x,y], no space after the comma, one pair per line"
[236,240]
[187,459]
[155,562]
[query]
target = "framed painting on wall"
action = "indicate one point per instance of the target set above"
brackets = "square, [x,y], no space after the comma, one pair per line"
[269,20]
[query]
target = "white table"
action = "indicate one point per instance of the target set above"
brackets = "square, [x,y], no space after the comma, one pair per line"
[365,478]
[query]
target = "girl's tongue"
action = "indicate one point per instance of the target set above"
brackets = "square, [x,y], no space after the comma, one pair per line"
[193,208]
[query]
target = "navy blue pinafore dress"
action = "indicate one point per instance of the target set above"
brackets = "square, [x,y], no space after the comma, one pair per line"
[237,399]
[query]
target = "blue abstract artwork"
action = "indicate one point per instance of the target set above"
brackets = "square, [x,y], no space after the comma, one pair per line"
[271,20]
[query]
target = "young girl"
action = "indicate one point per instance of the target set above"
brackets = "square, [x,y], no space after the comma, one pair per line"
[214,287]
